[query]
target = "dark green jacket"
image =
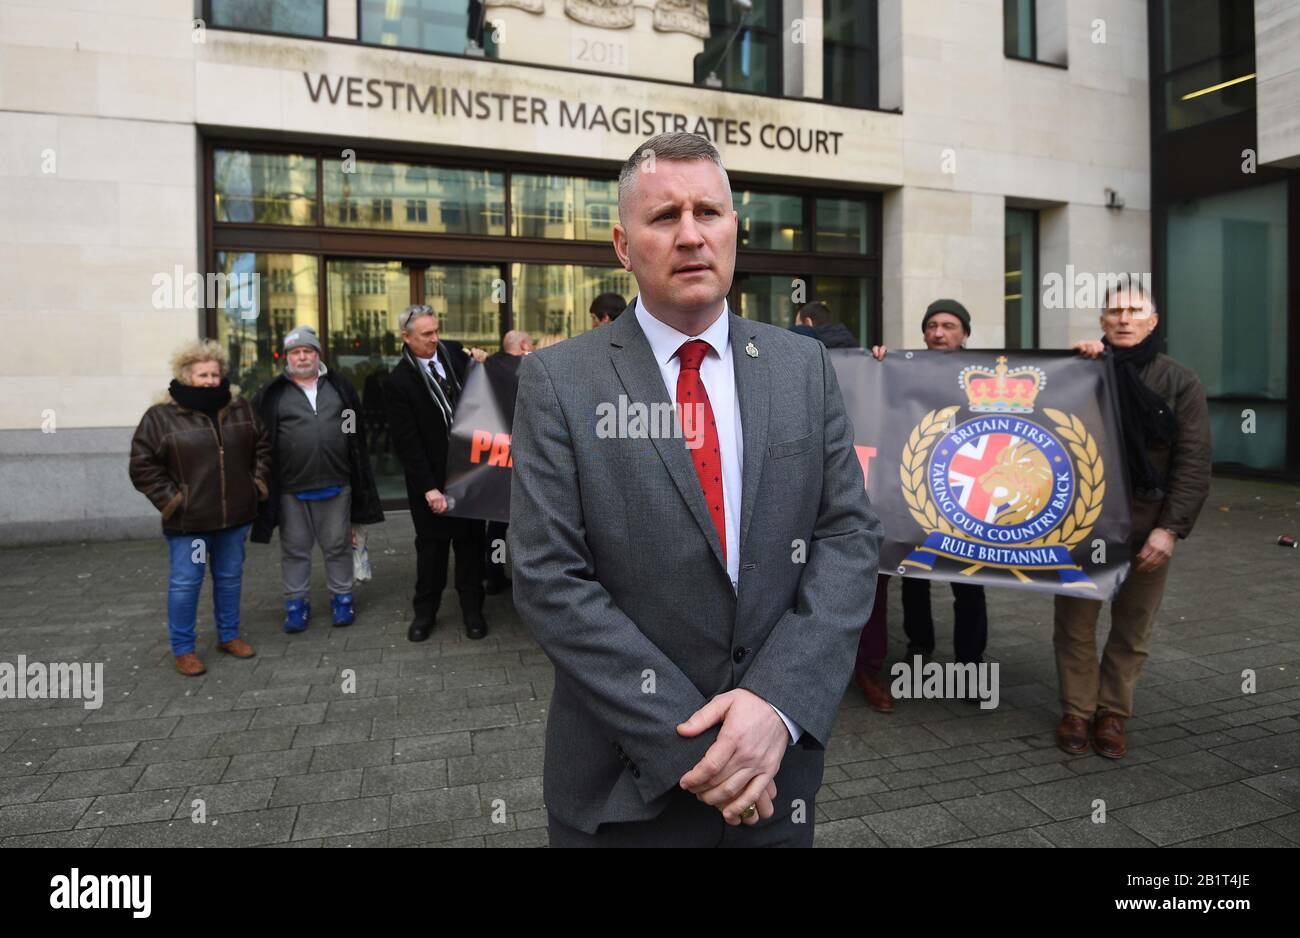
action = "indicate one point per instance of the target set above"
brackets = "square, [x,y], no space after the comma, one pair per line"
[1185,464]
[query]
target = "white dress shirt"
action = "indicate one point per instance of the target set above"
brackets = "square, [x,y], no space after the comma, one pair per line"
[434,363]
[718,373]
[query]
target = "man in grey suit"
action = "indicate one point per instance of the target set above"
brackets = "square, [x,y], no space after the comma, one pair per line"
[699,582]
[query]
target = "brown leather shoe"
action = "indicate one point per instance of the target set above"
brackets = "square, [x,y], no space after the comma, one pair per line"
[190,665]
[1072,734]
[237,647]
[1108,736]
[878,696]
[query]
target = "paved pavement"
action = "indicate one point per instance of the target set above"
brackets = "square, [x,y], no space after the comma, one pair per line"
[435,734]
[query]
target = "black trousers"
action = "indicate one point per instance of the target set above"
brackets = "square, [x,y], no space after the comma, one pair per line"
[496,530]
[435,538]
[689,822]
[970,619]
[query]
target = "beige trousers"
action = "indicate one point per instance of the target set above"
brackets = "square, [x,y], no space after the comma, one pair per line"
[1086,685]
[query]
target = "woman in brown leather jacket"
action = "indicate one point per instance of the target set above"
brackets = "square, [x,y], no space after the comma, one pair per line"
[202,457]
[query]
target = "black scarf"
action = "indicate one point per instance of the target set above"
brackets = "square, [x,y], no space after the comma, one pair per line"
[1145,417]
[205,400]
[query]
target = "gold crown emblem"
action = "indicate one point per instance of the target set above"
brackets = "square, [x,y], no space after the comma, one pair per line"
[1000,391]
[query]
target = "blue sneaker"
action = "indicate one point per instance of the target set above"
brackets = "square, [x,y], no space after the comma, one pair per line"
[341,607]
[296,612]
[306,612]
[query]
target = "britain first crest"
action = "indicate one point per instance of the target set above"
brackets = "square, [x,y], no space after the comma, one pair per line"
[999,490]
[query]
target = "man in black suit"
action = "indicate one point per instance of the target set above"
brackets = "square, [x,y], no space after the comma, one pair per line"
[420,396]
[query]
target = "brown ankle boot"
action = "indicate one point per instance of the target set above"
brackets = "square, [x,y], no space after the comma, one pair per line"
[878,696]
[237,647]
[1108,736]
[190,665]
[1072,734]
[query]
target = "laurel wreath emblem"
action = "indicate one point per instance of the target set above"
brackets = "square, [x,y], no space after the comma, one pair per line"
[1089,471]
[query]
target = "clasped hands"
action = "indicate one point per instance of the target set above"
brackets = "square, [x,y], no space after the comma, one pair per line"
[738,769]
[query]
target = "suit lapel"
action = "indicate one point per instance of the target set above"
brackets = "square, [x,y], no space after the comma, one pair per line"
[753,389]
[635,364]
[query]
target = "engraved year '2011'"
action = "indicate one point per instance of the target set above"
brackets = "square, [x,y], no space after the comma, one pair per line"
[607,54]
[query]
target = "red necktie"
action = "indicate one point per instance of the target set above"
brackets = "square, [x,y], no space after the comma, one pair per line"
[707,456]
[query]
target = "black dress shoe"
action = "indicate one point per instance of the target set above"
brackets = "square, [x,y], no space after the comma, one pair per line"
[420,629]
[475,626]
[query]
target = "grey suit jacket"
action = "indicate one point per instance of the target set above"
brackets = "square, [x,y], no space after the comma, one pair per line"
[619,572]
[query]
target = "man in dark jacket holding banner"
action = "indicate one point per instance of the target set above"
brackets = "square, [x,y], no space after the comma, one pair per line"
[420,396]
[945,328]
[1166,443]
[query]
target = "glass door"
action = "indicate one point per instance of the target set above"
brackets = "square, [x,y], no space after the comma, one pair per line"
[365,299]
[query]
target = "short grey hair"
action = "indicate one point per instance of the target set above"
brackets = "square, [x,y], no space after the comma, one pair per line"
[412,313]
[681,147]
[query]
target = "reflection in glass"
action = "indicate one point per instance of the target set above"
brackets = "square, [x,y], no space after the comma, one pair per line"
[295,17]
[1210,90]
[563,207]
[406,197]
[553,301]
[851,300]
[1018,28]
[849,52]
[743,51]
[287,296]
[468,299]
[1196,30]
[264,188]
[768,298]
[1021,276]
[365,299]
[842,226]
[1227,291]
[769,221]
[433,25]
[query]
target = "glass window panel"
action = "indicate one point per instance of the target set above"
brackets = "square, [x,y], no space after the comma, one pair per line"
[434,25]
[1210,90]
[564,207]
[264,188]
[850,21]
[769,221]
[743,51]
[1227,293]
[365,299]
[553,301]
[1196,30]
[297,17]
[851,300]
[1263,449]
[253,335]
[849,76]
[406,197]
[768,297]
[1018,28]
[467,301]
[1020,274]
[843,226]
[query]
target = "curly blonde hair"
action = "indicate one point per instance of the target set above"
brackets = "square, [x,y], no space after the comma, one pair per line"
[195,353]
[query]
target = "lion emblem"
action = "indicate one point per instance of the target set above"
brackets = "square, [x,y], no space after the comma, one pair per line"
[1020,482]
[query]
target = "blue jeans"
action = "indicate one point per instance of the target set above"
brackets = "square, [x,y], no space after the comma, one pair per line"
[223,552]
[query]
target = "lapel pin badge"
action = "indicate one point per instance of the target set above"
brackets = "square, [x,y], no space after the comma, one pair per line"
[751,350]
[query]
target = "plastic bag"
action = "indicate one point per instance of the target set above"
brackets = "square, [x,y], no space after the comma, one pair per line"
[360,554]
